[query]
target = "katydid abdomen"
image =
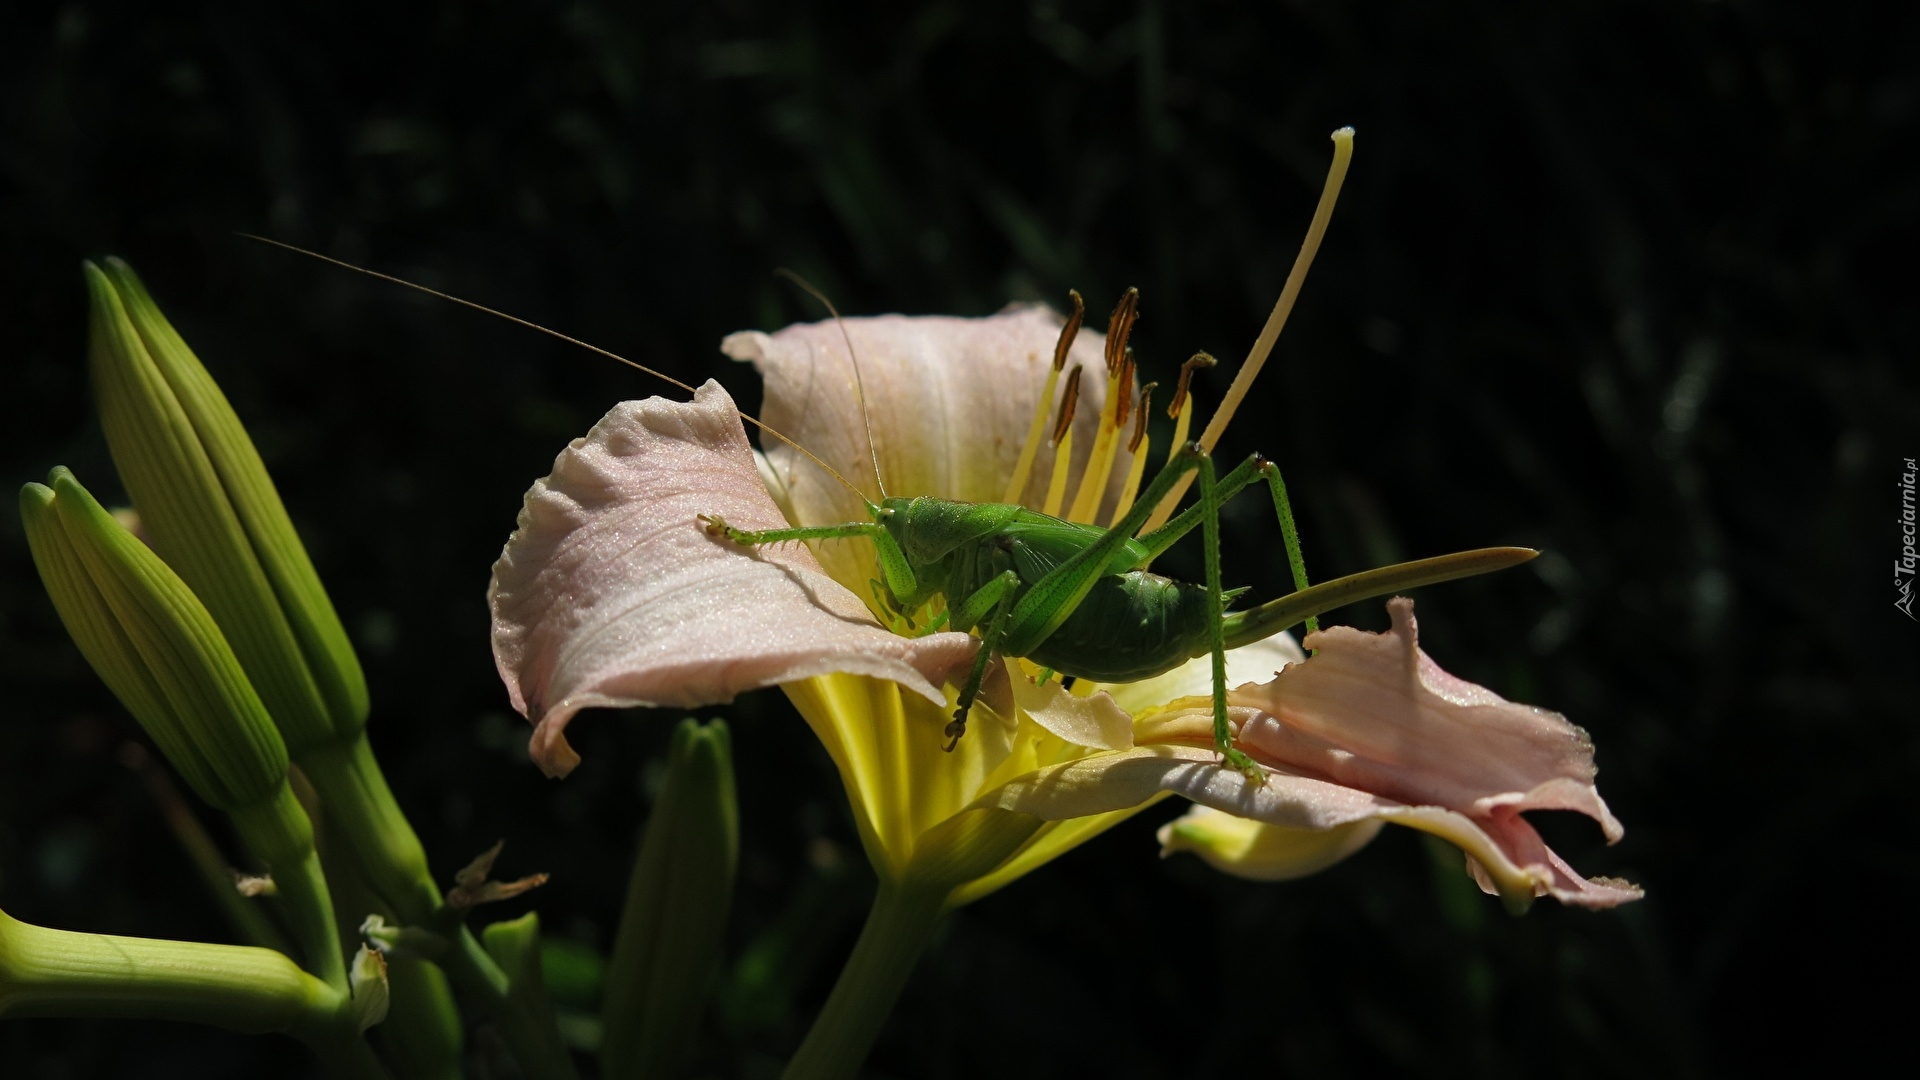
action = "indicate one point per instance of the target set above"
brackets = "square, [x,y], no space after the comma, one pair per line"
[1131,626]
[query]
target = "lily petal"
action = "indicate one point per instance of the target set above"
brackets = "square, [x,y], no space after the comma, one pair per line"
[1095,721]
[1258,851]
[610,594]
[948,399]
[1505,854]
[1373,712]
[1254,663]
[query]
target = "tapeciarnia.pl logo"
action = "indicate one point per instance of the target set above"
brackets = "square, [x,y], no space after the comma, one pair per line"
[1903,566]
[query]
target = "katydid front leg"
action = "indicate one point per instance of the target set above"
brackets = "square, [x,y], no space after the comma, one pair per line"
[893,562]
[995,596]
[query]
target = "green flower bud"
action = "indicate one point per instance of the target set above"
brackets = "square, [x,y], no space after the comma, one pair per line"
[211,511]
[154,644]
[676,908]
[515,946]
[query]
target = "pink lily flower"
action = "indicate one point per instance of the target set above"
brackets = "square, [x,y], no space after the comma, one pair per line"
[610,594]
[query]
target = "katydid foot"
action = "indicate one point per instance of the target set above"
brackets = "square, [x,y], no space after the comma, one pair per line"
[1255,772]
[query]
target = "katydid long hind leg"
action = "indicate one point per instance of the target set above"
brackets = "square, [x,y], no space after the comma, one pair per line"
[1289,534]
[1242,476]
[1216,638]
[1187,520]
[1054,597]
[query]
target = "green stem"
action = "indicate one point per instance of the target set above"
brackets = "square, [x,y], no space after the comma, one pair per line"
[278,831]
[897,932]
[472,971]
[422,1035]
[360,804]
[46,972]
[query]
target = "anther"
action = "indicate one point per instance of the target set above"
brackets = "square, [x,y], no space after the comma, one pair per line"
[1197,360]
[1140,418]
[1120,328]
[1068,402]
[1124,405]
[1069,331]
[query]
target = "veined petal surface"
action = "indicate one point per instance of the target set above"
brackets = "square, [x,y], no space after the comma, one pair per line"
[1374,712]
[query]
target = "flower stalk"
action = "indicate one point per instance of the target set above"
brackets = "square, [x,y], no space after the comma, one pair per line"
[898,929]
[46,972]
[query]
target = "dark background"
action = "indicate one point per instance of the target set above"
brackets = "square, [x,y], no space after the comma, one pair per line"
[1629,282]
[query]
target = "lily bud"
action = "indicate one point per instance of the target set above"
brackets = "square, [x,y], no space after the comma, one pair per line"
[1257,851]
[211,511]
[515,946]
[676,908]
[154,644]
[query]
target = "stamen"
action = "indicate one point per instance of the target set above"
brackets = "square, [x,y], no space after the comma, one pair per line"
[1069,331]
[1139,446]
[1197,360]
[1182,408]
[1106,444]
[1062,460]
[1120,328]
[1063,444]
[1022,469]
[1063,426]
[1270,333]
[1140,418]
[1093,481]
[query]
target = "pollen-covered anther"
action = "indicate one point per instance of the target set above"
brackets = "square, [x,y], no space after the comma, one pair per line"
[1123,406]
[1120,328]
[1196,361]
[1070,331]
[1069,401]
[1030,448]
[1140,417]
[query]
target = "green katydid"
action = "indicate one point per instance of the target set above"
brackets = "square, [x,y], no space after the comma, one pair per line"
[1077,598]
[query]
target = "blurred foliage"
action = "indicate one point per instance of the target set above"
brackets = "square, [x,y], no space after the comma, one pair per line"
[1618,280]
